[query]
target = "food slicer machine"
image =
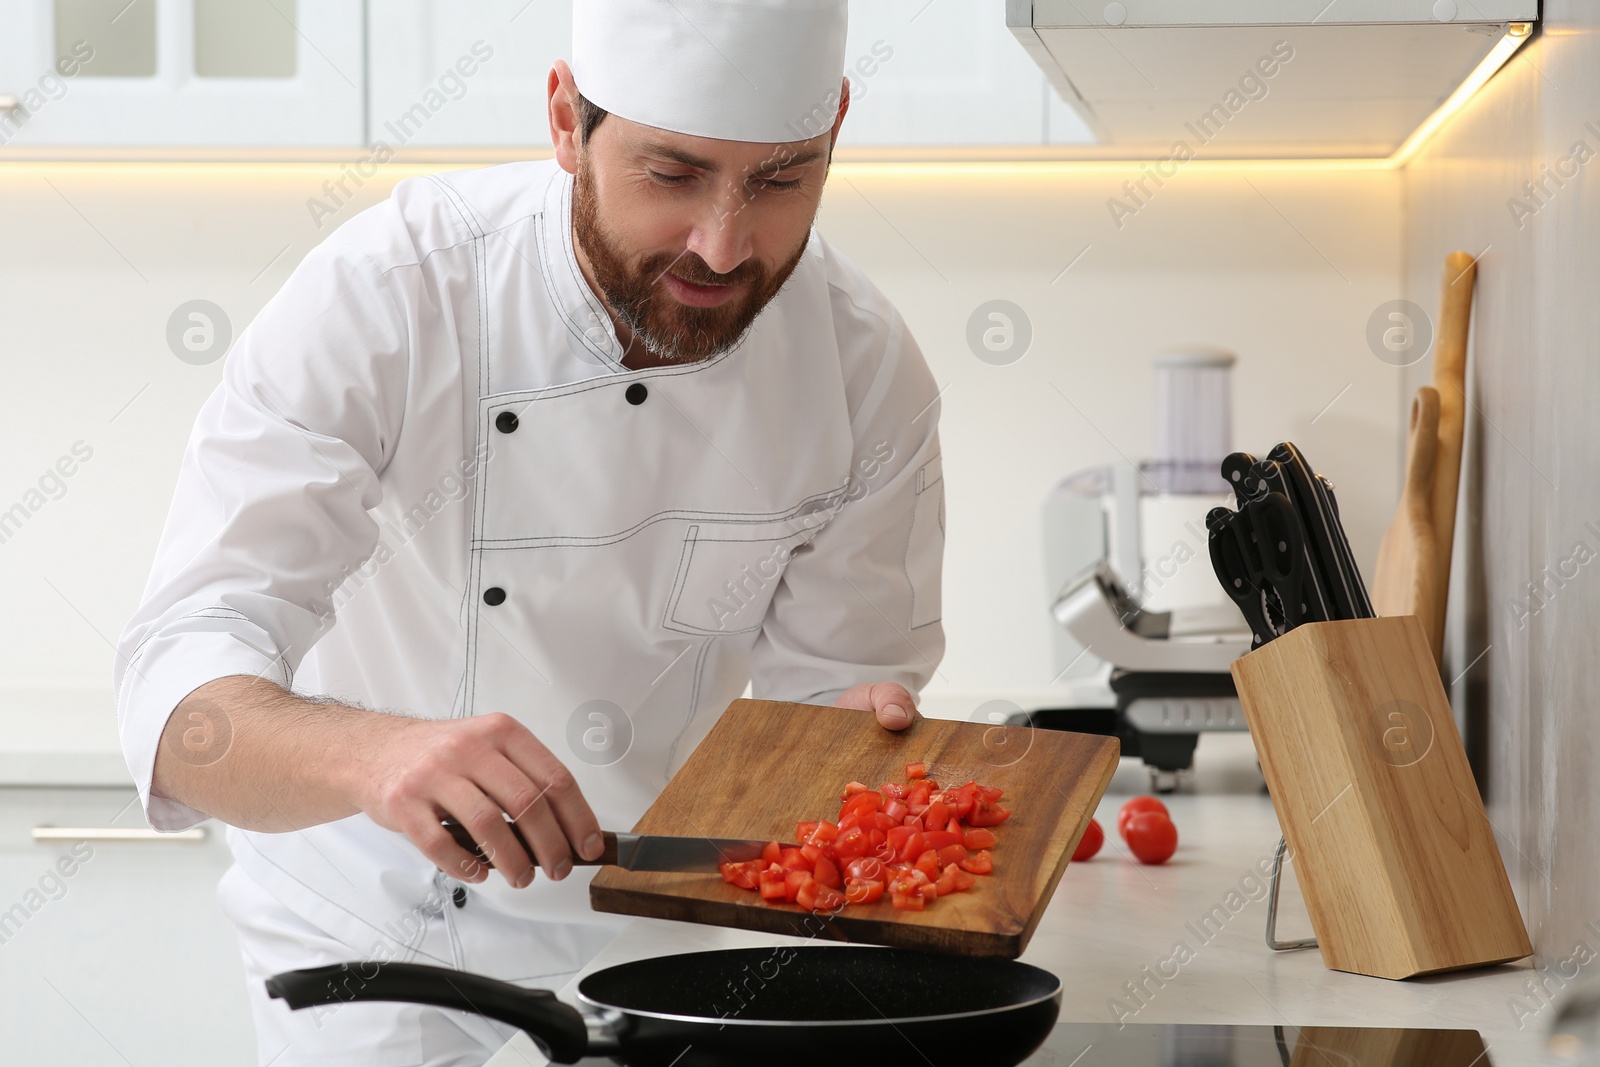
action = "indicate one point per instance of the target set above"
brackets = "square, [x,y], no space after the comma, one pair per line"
[1167,671]
[1146,634]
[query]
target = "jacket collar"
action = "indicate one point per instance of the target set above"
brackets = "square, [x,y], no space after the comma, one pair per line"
[583,311]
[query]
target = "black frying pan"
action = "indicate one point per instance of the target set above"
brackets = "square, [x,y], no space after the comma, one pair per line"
[775,1006]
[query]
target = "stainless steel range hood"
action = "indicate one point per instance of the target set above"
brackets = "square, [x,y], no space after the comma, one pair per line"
[1261,79]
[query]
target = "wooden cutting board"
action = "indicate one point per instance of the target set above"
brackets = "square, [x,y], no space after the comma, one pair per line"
[767,765]
[1450,379]
[1406,579]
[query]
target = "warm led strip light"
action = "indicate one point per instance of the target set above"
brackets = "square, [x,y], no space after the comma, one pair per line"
[1517,34]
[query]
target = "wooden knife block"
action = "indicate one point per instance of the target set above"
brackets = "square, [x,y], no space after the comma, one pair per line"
[1392,848]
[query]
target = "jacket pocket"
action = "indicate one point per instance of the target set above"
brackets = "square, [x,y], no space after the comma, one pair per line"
[728,571]
[925,546]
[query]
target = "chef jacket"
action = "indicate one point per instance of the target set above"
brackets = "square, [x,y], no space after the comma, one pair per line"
[427,483]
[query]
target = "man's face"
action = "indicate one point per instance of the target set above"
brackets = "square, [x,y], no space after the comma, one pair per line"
[688,237]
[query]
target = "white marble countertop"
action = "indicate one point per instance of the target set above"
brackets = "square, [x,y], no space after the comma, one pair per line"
[1112,917]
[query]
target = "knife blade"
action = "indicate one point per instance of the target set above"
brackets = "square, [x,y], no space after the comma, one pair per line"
[641,852]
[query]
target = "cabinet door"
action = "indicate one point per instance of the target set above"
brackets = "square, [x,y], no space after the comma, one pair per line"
[114,953]
[465,72]
[182,72]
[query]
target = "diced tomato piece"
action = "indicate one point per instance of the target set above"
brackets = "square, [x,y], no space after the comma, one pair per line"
[978,863]
[810,853]
[852,843]
[961,800]
[827,873]
[773,853]
[940,838]
[862,804]
[947,880]
[862,892]
[952,854]
[988,792]
[866,869]
[851,789]
[978,838]
[773,883]
[743,875]
[893,790]
[806,895]
[828,899]
[803,831]
[928,863]
[912,821]
[954,826]
[908,901]
[793,880]
[795,859]
[907,843]
[985,813]
[918,769]
[936,813]
[824,833]
[918,798]
[896,810]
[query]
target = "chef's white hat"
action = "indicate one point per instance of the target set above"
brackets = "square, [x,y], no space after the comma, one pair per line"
[737,70]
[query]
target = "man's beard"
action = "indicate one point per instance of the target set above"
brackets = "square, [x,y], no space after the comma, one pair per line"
[636,293]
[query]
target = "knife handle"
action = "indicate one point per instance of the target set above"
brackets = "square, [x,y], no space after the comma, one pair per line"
[608,856]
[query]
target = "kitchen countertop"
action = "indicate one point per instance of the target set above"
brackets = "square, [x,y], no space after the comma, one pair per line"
[1111,918]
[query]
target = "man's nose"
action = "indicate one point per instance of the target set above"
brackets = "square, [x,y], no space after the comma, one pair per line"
[722,236]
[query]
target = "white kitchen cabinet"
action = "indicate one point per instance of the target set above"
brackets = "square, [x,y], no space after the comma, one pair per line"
[181,72]
[127,958]
[465,72]
[924,73]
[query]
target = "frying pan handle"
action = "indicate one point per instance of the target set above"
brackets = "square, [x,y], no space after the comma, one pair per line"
[556,1028]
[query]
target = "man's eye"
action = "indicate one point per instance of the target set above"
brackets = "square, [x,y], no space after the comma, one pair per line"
[774,183]
[666,179]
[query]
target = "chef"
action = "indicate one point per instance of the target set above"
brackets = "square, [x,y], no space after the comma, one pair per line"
[524,475]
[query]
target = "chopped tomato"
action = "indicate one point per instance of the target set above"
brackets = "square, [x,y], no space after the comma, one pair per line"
[908,901]
[853,842]
[978,838]
[859,892]
[986,813]
[908,841]
[978,863]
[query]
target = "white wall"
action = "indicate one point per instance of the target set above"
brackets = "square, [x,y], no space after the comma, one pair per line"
[1283,266]
[1525,598]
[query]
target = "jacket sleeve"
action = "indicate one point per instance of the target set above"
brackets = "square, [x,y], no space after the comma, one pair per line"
[861,602]
[270,510]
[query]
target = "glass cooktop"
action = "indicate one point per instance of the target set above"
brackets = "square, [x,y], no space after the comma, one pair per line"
[1184,1045]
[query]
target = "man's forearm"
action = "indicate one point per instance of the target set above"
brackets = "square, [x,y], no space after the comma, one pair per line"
[247,752]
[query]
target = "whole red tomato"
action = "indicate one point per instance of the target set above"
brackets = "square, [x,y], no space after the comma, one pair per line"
[1152,837]
[1134,807]
[1093,837]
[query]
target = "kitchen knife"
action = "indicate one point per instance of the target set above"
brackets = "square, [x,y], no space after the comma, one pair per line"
[1268,477]
[641,852]
[1320,515]
[1227,559]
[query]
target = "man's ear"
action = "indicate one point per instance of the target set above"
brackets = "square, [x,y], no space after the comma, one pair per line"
[564,132]
[844,105]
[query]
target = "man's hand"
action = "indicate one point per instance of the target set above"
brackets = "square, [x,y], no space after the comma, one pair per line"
[245,751]
[475,769]
[889,701]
